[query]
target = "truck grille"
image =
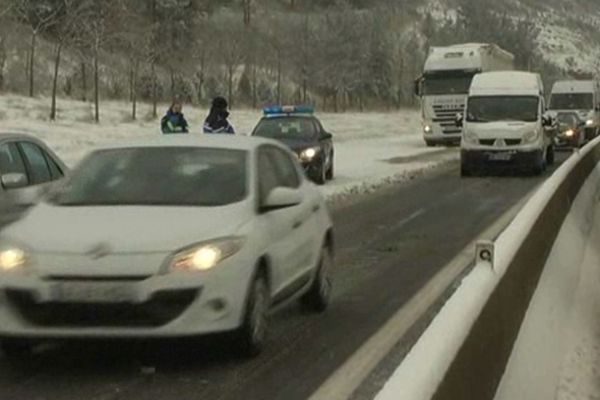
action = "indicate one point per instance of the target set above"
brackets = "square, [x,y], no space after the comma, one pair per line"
[446,117]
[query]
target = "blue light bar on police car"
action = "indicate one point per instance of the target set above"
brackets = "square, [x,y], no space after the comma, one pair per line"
[286,110]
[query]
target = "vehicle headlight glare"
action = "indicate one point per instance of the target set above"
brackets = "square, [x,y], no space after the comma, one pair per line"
[589,122]
[206,256]
[11,259]
[570,133]
[309,154]
[427,128]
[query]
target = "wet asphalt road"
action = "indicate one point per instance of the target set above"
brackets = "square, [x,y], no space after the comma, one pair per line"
[389,245]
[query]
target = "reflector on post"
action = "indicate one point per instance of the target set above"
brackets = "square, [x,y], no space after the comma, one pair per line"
[485,253]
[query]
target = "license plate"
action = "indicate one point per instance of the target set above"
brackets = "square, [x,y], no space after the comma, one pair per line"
[91,293]
[501,156]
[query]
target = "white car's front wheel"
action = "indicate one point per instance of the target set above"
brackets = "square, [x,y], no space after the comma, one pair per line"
[253,333]
[319,295]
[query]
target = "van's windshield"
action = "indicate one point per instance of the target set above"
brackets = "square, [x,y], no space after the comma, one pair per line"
[503,108]
[572,101]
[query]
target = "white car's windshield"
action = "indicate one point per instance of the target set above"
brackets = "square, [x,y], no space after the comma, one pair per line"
[157,176]
[502,108]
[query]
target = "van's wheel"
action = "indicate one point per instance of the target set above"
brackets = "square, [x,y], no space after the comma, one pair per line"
[540,165]
[318,297]
[253,332]
[17,351]
[550,155]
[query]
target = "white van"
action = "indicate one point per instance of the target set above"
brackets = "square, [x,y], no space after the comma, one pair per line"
[505,123]
[582,97]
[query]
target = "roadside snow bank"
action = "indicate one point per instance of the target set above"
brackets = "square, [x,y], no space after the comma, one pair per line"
[365,142]
[430,361]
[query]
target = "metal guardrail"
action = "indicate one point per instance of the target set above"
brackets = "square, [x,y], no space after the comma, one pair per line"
[479,365]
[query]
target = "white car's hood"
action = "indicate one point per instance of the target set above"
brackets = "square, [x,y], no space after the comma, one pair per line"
[502,129]
[123,230]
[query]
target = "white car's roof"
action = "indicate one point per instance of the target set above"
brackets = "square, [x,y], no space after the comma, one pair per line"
[217,141]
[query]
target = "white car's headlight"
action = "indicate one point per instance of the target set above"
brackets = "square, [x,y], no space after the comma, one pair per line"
[589,122]
[205,256]
[569,133]
[12,258]
[531,136]
[427,129]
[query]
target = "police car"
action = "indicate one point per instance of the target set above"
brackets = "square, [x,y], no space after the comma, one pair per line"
[299,129]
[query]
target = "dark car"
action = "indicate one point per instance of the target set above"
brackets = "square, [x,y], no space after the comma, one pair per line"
[571,130]
[27,168]
[303,133]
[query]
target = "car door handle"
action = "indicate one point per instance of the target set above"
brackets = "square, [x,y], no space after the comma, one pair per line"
[297,224]
[316,208]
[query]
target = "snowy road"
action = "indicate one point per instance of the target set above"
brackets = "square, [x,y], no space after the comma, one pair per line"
[389,245]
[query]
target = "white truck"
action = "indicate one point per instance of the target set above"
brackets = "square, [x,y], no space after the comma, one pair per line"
[505,123]
[582,97]
[445,82]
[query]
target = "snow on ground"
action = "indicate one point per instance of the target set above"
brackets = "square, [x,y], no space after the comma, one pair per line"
[365,142]
[580,372]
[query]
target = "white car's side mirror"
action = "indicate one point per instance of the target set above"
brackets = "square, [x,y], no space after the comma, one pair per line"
[14,181]
[282,197]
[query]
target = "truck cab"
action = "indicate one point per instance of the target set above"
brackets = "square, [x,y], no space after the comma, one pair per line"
[444,85]
[505,124]
[582,97]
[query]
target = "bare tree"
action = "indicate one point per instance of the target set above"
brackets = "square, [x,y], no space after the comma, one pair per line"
[68,25]
[101,29]
[38,16]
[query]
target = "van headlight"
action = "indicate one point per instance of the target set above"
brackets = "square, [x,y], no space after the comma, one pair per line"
[470,137]
[12,258]
[589,122]
[531,136]
[205,256]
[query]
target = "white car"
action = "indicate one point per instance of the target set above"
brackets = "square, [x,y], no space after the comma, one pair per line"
[177,237]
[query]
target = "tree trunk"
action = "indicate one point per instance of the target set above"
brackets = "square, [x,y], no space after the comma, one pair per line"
[3,57]
[254,86]
[31,63]
[154,91]
[55,80]
[230,84]
[173,95]
[134,77]
[96,87]
[83,81]
[279,78]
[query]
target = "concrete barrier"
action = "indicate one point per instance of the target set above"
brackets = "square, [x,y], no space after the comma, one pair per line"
[464,353]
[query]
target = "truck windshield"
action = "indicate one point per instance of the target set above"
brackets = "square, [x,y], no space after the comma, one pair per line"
[572,101]
[447,83]
[502,108]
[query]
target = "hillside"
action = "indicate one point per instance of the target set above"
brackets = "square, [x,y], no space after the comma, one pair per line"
[339,55]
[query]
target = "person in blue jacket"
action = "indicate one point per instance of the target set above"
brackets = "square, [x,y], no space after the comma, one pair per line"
[217,122]
[174,121]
